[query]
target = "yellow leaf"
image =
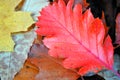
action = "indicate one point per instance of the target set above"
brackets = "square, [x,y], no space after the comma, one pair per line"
[11,21]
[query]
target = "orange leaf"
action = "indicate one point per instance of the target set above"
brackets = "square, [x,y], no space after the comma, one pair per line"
[28,72]
[49,68]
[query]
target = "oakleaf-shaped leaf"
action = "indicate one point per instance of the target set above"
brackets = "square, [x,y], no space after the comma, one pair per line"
[77,38]
[11,21]
[49,67]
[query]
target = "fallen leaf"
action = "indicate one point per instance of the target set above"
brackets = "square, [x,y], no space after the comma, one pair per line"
[28,72]
[38,50]
[118,29]
[34,6]
[11,21]
[77,38]
[49,68]
[12,62]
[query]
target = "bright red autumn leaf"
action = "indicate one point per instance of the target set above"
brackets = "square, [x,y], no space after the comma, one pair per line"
[77,38]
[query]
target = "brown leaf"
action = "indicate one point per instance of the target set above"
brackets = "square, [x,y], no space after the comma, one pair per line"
[49,68]
[28,72]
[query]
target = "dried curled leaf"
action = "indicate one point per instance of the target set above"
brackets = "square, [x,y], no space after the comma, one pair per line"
[11,21]
[77,38]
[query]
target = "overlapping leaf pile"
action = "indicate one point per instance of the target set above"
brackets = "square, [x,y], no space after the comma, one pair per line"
[42,63]
[75,37]
[44,66]
[13,21]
